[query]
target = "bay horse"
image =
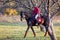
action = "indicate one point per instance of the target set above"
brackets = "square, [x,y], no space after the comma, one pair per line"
[31,22]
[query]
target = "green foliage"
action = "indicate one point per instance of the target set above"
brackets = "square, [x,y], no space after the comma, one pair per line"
[10,11]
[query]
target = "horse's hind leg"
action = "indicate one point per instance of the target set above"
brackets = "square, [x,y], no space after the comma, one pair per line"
[33,31]
[42,28]
[26,31]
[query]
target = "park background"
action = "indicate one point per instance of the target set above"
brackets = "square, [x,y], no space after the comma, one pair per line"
[11,28]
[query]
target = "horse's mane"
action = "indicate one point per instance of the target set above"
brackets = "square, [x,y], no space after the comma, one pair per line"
[28,14]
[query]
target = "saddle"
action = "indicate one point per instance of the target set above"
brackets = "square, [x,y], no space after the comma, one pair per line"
[38,21]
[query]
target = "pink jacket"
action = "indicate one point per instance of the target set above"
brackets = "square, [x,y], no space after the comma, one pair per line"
[36,10]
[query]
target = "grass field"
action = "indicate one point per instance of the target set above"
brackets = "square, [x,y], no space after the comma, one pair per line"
[17,33]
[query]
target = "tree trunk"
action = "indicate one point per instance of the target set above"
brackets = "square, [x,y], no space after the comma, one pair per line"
[51,31]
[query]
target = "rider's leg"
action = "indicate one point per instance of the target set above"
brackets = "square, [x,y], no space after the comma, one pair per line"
[36,16]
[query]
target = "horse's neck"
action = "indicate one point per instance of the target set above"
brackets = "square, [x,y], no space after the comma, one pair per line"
[28,15]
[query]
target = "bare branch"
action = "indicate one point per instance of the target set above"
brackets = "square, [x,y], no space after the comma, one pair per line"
[7,1]
[24,5]
[40,3]
[18,1]
[56,13]
[28,1]
[32,3]
[54,9]
[52,2]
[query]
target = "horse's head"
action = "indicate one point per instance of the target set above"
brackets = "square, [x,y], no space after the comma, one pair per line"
[24,14]
[21,15]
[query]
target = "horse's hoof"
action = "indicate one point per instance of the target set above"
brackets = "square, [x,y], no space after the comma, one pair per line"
[25,39]
[44,35]
[34,36]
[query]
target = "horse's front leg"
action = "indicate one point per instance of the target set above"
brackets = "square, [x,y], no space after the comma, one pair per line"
[26,31]
[33,31]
